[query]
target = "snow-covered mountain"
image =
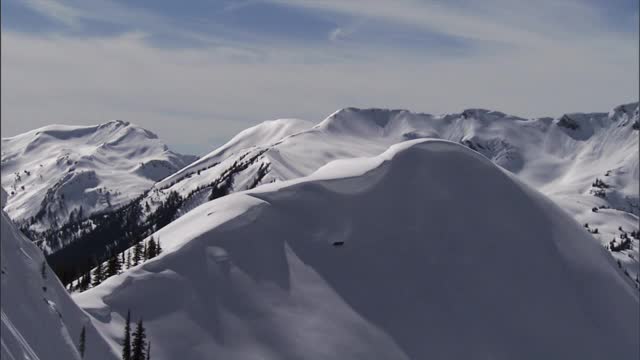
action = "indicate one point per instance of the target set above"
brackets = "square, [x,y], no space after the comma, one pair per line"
[39,319]
[587,163]
[61,172]
[427,250]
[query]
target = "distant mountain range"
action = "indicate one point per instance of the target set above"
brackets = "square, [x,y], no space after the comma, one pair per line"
[376,234]
[59,173]
[586,163]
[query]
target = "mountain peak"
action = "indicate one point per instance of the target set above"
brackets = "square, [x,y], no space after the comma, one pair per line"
[118,122]
[55,170]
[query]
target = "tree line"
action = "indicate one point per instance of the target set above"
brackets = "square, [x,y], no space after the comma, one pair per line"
[101,237]
[139,253]
[135,346]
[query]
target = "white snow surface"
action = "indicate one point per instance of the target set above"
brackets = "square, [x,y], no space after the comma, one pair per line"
[264,134]
[39,324]
[560,157]
[445,256]
[57,169]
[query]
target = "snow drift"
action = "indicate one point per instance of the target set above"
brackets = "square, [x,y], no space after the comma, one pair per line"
[562,157]
[445,256]
[40,321]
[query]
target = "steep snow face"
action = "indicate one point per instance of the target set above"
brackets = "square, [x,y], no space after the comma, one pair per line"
[444,255]
[39,318]
[261,135]
[561,157]
[57,172]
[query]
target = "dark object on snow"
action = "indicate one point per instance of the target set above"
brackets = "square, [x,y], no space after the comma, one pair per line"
[338,243]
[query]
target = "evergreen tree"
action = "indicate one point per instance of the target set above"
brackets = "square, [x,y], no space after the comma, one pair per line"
[98,274]
[145,253]
[113,265]
[83,341]
[148,350]
[126,343]
[88,280]
[218,191]
[151,248]
[158,248]
[85,280]
[167,210]
[137,253]
[139,343]
[123,262]
[128,259]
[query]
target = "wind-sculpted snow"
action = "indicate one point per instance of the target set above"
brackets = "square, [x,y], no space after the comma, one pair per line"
[560,157]
[59,171]
[40,321]
[444,256]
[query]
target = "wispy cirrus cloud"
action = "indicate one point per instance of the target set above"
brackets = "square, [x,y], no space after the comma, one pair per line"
[66,15]
[206,72]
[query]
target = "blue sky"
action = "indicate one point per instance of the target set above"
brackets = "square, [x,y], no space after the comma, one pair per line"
[196,72]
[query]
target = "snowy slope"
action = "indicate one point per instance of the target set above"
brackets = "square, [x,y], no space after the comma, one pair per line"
[261,135]
[39,324]
[445,256]
[561,157]
[52,172]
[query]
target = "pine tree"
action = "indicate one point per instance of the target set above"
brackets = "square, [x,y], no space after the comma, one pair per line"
[89,280]
[152,249]
[137,253]
[113,265]
[148,350]
[123,262]
[126,343]
[98,274]
[128,259]
[145,253]
[83,342]
[84,281]
[158,247]
[138,345]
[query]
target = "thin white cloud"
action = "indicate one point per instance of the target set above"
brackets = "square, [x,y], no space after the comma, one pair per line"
[55,10]
[515,22]
[335,34]
[194,95]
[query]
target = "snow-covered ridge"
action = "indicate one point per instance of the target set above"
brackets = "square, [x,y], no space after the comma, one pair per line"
[39,319]
[61,171]
[264,134]
[443,255]
[562,157]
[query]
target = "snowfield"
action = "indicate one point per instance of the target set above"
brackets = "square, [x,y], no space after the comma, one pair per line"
[444,256]
[40,321]
[60,171]
[375,234]
[562,158]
